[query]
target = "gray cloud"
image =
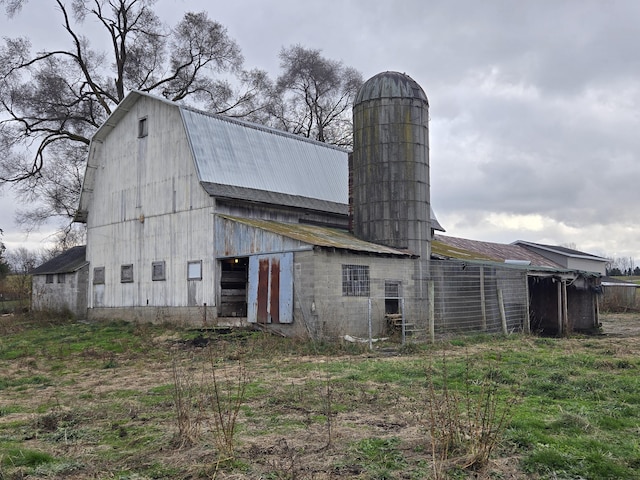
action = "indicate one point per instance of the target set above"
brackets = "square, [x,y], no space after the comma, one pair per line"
[534,105]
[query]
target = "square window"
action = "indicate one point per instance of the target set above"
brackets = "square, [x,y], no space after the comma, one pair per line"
[142,127]
[49,278]
[98,276]
[126,273]
[355,280]
[61,278]
[158,271]
[194,270]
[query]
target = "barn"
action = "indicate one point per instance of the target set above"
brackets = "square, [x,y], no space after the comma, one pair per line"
[202,219]
[197,217]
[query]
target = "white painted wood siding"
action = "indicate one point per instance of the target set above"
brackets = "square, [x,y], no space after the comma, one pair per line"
[148,206]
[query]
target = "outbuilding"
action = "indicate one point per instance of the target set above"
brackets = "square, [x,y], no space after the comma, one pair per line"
[61,284]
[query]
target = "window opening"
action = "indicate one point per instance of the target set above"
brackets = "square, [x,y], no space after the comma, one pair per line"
[355,280]
[142,127]
[98,275]
[194,270]
[158,271]
[126,273]
[391,297]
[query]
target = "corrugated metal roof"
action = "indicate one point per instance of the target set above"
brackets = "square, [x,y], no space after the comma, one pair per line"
[466,249]
[246,155]
[68,261]
[319,236]
[568,252]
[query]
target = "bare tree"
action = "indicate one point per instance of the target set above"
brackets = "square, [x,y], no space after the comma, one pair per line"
[4,266]
[51,102]
[314,95]
[22,260]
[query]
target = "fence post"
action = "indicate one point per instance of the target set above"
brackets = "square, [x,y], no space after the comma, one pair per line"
[503,315]
[527,320]
[370,326]
[404,322]
[432,311]
[483,306]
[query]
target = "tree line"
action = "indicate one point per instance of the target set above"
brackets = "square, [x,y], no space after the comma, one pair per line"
[53,100]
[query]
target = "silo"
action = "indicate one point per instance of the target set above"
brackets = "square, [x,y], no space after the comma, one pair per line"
[390,165]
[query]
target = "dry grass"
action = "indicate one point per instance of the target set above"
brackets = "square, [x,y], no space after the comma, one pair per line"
[116,414]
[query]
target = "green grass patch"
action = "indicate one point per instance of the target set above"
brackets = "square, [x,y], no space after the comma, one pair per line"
[574,404]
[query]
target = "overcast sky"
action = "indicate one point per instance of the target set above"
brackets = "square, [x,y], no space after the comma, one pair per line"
[534,106]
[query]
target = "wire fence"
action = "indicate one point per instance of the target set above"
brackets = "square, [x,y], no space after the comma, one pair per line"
[399,302]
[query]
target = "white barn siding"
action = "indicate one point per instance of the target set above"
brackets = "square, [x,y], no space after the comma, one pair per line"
[68,295]
[149,206]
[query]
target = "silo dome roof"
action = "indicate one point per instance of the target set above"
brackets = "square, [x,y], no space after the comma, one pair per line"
[390,85]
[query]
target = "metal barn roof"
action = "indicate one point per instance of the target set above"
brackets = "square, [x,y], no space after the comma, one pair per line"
[465,249]
[319,236]
[241,154]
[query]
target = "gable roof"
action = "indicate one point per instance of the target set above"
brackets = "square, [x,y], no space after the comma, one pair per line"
[466,249]
[69,261]
[567,252]
[319,236]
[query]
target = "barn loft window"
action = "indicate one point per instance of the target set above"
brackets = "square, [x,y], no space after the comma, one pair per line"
[126,273]
[62,278]
[157,271]
[49,278]
[194,270]
[355,280]
[142,127]
[98,276]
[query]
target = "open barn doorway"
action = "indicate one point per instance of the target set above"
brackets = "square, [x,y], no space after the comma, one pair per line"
[234,276]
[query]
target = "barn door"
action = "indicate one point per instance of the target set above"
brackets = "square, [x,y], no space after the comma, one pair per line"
[270,296]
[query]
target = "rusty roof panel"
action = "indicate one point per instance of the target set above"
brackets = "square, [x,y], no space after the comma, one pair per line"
[318,236]
[465,249]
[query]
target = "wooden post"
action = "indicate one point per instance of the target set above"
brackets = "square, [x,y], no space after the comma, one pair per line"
[565,308]
[526,326]
[483,306]
[559,307]
[432,311]
[370,325]
[503,315]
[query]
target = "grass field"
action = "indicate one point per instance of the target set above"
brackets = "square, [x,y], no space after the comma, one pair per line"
[125,401]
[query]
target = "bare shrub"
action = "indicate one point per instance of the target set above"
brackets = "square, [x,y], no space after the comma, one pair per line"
[466,423]
[224,395]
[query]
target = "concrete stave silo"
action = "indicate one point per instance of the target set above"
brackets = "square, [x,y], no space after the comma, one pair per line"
[390,194]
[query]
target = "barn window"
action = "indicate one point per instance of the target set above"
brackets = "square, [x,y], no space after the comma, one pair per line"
[142,127]
[194,270]
[355,280]
[157,271]
[126,273]
[98,276]
[61,278]
[49,278]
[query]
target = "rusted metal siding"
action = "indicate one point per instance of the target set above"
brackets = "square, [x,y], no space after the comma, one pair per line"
[270,295]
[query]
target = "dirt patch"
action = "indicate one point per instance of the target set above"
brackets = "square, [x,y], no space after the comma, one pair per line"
[621,324]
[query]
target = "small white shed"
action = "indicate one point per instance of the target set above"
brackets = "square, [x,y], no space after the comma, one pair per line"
[61,283]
